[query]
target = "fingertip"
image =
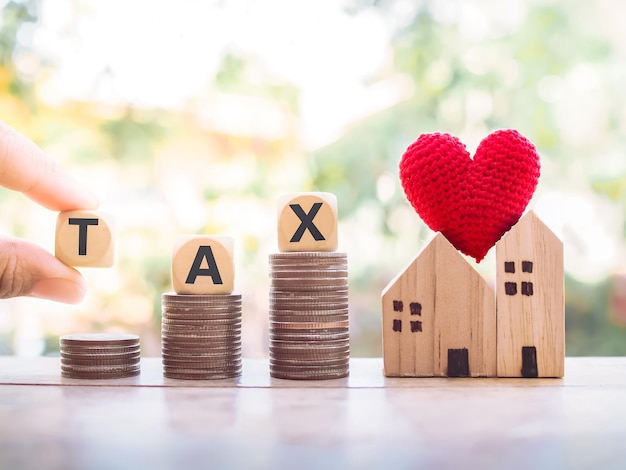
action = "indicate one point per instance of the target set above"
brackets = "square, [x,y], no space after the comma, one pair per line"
[69,291]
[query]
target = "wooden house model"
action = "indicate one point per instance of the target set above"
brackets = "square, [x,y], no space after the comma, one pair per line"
[529,301]
[439,317]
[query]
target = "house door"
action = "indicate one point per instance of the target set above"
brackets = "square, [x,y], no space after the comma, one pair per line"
[458,363]
[529,361]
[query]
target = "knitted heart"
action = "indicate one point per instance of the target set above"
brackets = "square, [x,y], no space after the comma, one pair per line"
[471,202]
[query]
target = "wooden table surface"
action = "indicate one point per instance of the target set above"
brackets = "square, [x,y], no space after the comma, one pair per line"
[364,421]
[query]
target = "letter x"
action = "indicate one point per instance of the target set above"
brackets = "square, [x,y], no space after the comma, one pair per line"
[306,222]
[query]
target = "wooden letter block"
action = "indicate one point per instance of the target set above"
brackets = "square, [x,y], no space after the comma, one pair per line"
[203,264]
[439,317]
[84,238]
[307,222]
[529,301]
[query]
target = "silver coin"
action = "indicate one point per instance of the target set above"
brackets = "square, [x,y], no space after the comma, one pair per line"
[206,328]
[97,350]
[290,293]
[205,315]
[290,345]
[307,254]
[203,376]
[200,324]
[205,366]
[303,364]
[309,274]
[100,366]
[283,325]
[199,343]
[278,260]
[279,317]
[208,371]
[99,375]
[206,337]
[206,352]
[309,357]
[174,297]
[294,306]
[300,282]
[99,339]
[201,355]
[87,356]
[325,312]
[200,340]
[308,300]
[201,304]
[304,287]
[307,265]
[304,309]
[308,337]
[78,359]
[321,374]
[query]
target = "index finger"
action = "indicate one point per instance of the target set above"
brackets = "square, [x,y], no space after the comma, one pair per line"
[24,167]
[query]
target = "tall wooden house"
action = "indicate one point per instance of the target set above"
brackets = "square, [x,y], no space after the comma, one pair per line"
[529,301]
[439,317]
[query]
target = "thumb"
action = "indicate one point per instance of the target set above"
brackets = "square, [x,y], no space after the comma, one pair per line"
[27,269]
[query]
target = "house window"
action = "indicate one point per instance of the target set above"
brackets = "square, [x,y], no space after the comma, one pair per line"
[415,308]
[527,288]
[527,266]
[510,288]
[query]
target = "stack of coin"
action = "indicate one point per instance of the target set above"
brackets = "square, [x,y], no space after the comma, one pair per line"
[309,337]
[201,336]
[99,356]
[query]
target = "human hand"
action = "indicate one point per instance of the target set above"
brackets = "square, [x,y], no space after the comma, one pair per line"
[25,268]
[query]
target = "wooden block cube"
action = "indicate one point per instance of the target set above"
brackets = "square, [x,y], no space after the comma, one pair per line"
[203,264]
[307,222]
[85,238]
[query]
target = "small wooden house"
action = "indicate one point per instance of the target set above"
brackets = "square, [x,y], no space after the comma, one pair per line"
[439,317]
[529,301]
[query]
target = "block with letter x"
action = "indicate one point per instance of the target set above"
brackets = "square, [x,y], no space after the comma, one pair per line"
[85,238]
[203,264]
[307,222]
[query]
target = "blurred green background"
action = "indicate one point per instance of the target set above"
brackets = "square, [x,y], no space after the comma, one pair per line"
[193,117]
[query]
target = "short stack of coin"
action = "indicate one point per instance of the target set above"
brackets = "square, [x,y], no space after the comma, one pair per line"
[201,336]
[99,356]
[309,334]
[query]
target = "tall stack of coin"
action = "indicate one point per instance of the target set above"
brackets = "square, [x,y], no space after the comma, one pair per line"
[201,321]
[201,336]
[309,335]
[99,356]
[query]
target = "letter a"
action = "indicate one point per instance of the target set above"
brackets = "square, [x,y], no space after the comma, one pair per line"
[204,252]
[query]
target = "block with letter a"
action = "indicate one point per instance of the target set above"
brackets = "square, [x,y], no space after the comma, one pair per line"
[307,222]
[203,264]
[85,238]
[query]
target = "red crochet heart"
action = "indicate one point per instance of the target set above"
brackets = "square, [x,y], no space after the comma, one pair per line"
[471,202]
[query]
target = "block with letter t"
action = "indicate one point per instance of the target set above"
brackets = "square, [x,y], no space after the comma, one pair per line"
[307,222]
[203,264]
[85,238]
